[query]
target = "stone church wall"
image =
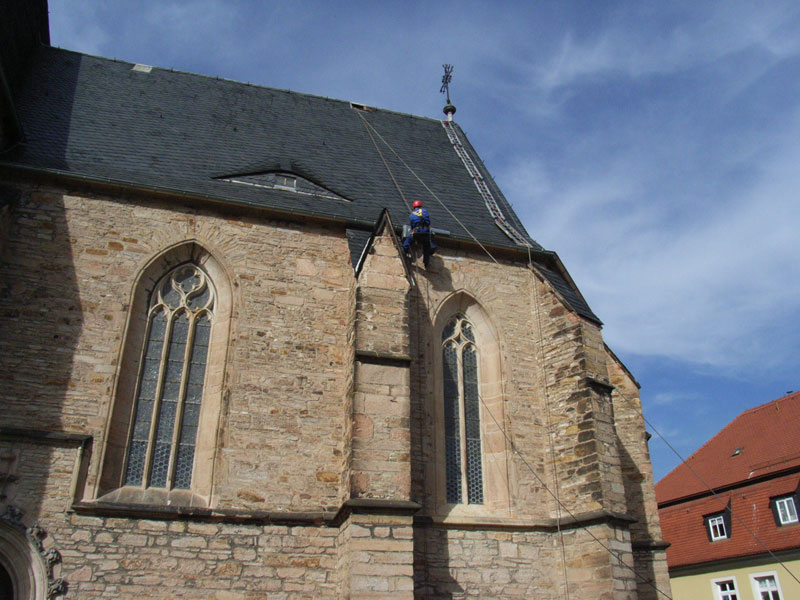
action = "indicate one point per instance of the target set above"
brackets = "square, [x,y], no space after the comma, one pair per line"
[70,265]
[328,472]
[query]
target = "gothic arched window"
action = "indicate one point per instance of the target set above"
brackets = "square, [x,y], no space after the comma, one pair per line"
[462,422]
[169,391]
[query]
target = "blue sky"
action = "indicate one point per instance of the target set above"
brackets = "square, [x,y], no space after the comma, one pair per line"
[653,145]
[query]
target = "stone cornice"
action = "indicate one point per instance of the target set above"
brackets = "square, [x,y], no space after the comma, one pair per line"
[40,435]
[545,525]
[383,358]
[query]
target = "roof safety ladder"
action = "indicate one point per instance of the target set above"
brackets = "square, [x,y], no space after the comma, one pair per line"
[483,189]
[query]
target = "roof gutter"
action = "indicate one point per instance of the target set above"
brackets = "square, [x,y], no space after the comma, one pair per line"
[127,187]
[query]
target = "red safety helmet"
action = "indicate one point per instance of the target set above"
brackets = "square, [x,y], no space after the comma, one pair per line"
[417,204]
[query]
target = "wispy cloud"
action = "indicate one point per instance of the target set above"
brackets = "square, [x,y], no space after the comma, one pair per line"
[652,145]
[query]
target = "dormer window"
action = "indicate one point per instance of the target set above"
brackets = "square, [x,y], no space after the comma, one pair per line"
[785,510]
[285,181]
[718,528]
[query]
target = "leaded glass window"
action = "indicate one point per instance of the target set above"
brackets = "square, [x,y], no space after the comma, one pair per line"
[170,384]
[462,424]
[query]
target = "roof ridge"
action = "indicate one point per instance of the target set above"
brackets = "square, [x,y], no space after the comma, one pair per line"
[791,396]
[247,83]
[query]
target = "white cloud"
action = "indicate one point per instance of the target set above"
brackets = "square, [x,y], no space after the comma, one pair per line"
[710,285]
[700,37]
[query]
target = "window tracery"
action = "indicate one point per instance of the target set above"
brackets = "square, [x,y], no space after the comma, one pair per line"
[169,391]
[463,453]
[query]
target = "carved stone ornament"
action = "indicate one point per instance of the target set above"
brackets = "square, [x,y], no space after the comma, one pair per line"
[51,558]
[56,587]
[36,535]
[13,516]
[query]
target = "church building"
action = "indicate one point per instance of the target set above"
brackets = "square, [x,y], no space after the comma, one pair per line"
[221,377]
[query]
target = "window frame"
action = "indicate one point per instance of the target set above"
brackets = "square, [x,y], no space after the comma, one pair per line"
[107,485]
[462,342]
[790,500]
[172,315]
[754,577]
[496,466]
[717,521]
[718,592]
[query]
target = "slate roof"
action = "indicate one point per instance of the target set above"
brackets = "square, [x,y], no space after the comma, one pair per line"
[100,118]
[201,136]
[769,438]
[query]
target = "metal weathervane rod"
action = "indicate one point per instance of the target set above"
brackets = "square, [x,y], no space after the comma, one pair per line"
[449,109]
[446,79]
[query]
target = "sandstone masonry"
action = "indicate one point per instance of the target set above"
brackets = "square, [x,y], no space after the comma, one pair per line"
[326,466]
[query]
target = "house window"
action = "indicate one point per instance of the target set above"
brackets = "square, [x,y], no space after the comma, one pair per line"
[169,392]
[463,455]
[785,510]
[766,587]
[716,527]
[725,589]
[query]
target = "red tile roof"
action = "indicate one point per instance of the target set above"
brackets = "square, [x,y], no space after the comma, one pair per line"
[768,437]
[683,525]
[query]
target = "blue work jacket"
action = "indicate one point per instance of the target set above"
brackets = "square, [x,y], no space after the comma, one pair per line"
[419,219]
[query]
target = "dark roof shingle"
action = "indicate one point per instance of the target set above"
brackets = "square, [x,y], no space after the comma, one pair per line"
[100,118]
[111,121]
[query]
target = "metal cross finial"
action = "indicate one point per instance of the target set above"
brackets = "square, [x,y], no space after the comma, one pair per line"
[446,79]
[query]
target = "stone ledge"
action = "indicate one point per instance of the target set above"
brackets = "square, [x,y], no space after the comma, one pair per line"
[256,517]
[548,525]
[604,386]
[375,506]
[40,435]
[383,358]
[155,512]
[651,545]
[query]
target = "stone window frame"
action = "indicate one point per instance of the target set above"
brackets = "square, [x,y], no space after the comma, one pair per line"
[183,304]
[496,496]
[458,337]
[23,564]
[109,486]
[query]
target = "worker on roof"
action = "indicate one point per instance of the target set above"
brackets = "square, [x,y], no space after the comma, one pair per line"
[420,222]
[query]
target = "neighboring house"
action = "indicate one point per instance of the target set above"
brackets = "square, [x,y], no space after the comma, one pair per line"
[721,543]
[221,378]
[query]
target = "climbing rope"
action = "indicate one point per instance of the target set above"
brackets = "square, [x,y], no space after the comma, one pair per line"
[385,164]
[510,442]
[429,190]
[555,494]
